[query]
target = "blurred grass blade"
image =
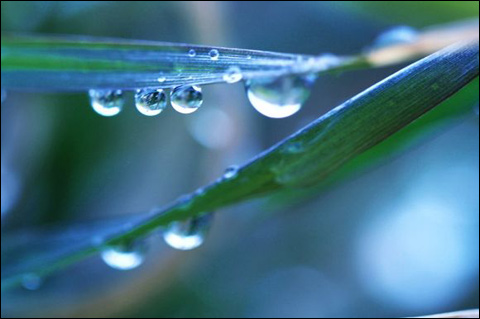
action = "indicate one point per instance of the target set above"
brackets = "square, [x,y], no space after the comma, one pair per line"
[312,154]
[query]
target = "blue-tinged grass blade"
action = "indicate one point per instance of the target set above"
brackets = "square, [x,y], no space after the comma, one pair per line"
[312,154]
[81,63]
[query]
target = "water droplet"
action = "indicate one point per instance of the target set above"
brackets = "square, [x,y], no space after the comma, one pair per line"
[107,102]
[32,282]
[4,95]
[150,102]
[161,79]
[186,99]
[189,234]
[192,53]
[125,256]
[214,54]
[294,148]
[233,75]
[396,35]
[230,172]
[279,97]
[249,57]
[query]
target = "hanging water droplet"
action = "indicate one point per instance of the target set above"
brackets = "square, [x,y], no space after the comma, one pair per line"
[230,172]
[4,95]
[31,282]
[107,102]
[233,75]
[189,234]
[186,99]
[125,256]
[150,102]
[396,35]
[279,97]
[214,54]
[192,53]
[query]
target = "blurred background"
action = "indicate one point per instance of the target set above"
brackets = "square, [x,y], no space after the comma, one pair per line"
[398,239]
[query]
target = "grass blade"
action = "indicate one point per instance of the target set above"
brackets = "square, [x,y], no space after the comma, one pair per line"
[82,63]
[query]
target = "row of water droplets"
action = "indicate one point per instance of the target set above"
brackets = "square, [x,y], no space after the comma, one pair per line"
[181,235]
[275,97]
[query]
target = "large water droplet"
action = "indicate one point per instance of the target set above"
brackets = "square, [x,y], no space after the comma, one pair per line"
[107,102]
[230,172]
[186,99]
[31,282]
[192,53]
[150,102]
[214,54]
[279,97]
[233,75]
[189,234]
[125,256]
[396,35]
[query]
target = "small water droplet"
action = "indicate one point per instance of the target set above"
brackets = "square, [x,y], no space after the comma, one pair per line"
[107,102]
[294,148]
[396,35]
[4,95]
[189,234]
[230,172]
[233,75]
[186,99]
[249,57]
[214,54]
[192,53]
[150,102]
[161,79]
[279,97]
[32,282]
[125,256]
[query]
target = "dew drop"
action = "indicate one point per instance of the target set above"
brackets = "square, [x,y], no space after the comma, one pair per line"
[294,148]
[214,54]
[396,35]
[279,97]
[186,99]
[192,53]
[125,256]
[107,102]
[230,172]
[188,234]
[150,102]
[31,282]
[233,75]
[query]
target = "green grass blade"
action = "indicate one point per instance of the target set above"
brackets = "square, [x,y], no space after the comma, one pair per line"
[312,154]
[82,63]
